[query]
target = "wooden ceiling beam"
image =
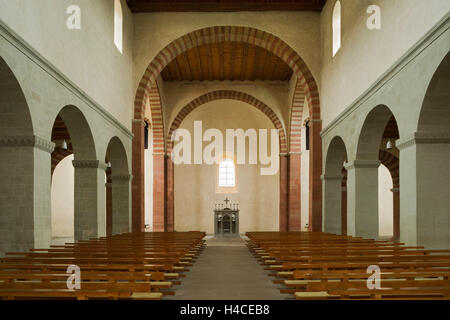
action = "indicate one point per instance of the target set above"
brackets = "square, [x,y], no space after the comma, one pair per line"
[199,62]
[221,60]
[232,75]
[188,66]
[210,63]
[244,61]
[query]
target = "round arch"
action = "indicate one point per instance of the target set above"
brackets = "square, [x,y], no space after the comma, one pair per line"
[18,198]
[16,118]
[216,34]
[428,225]
[334,212]
[231,95]
[80,133]
[435,113]
[147,91]
[371,133]
[118,215]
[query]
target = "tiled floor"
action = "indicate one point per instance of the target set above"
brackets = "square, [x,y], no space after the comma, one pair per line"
[226,270]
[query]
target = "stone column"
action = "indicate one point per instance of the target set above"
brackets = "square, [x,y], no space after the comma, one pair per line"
[396,211]
[25,204]
[170,206]
[332,193]
[425,196]
[362,191]
[90,199]
[284,201]
[294,202]
[159,193]
[108,186]
[344,211]
[315,172]
[121,205]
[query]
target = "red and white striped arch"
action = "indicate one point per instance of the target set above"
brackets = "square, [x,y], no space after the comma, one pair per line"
[227,33]
[232,95]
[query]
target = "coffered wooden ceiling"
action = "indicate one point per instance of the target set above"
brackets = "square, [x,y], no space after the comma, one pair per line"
[224,5]
[227,61]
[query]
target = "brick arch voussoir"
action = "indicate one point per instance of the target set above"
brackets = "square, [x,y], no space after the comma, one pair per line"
[296,115]
[232,95]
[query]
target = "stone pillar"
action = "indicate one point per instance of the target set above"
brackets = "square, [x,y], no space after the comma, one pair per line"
[170,195]
[138,170]
[396,211]
[284,201]
[159,193]
[25,204]
[425,196]
[344,211]
[362,191]
[121,206]
[108,186]
[315,172]
[294,202]
[332,192]
[90,199]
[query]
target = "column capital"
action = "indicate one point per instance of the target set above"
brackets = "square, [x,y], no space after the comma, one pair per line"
[122,176]
[82,164]
[331,177]
[283,154]
[423,138]
[28,141]
[361,164]
[297,153]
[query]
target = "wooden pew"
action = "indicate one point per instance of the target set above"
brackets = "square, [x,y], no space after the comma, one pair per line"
[126,266]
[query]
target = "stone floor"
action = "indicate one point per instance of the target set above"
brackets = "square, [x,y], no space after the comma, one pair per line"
[226,270]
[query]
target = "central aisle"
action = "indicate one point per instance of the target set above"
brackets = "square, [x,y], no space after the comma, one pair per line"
[226,270]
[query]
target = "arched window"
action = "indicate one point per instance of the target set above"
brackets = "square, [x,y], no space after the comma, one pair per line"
[336,27]
[227,174]
[118,24]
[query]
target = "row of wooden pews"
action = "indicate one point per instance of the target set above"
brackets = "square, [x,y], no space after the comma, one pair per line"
[316,265]
[142,266]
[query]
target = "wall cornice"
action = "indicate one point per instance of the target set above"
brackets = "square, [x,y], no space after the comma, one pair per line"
[28,141]
[25,48]
[423,138]
[83,164]
[359,163]
[434,33]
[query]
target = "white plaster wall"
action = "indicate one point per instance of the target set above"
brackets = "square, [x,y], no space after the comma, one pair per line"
[258,196]
[364,54]
[88,57]
[62,196]
[385,202]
